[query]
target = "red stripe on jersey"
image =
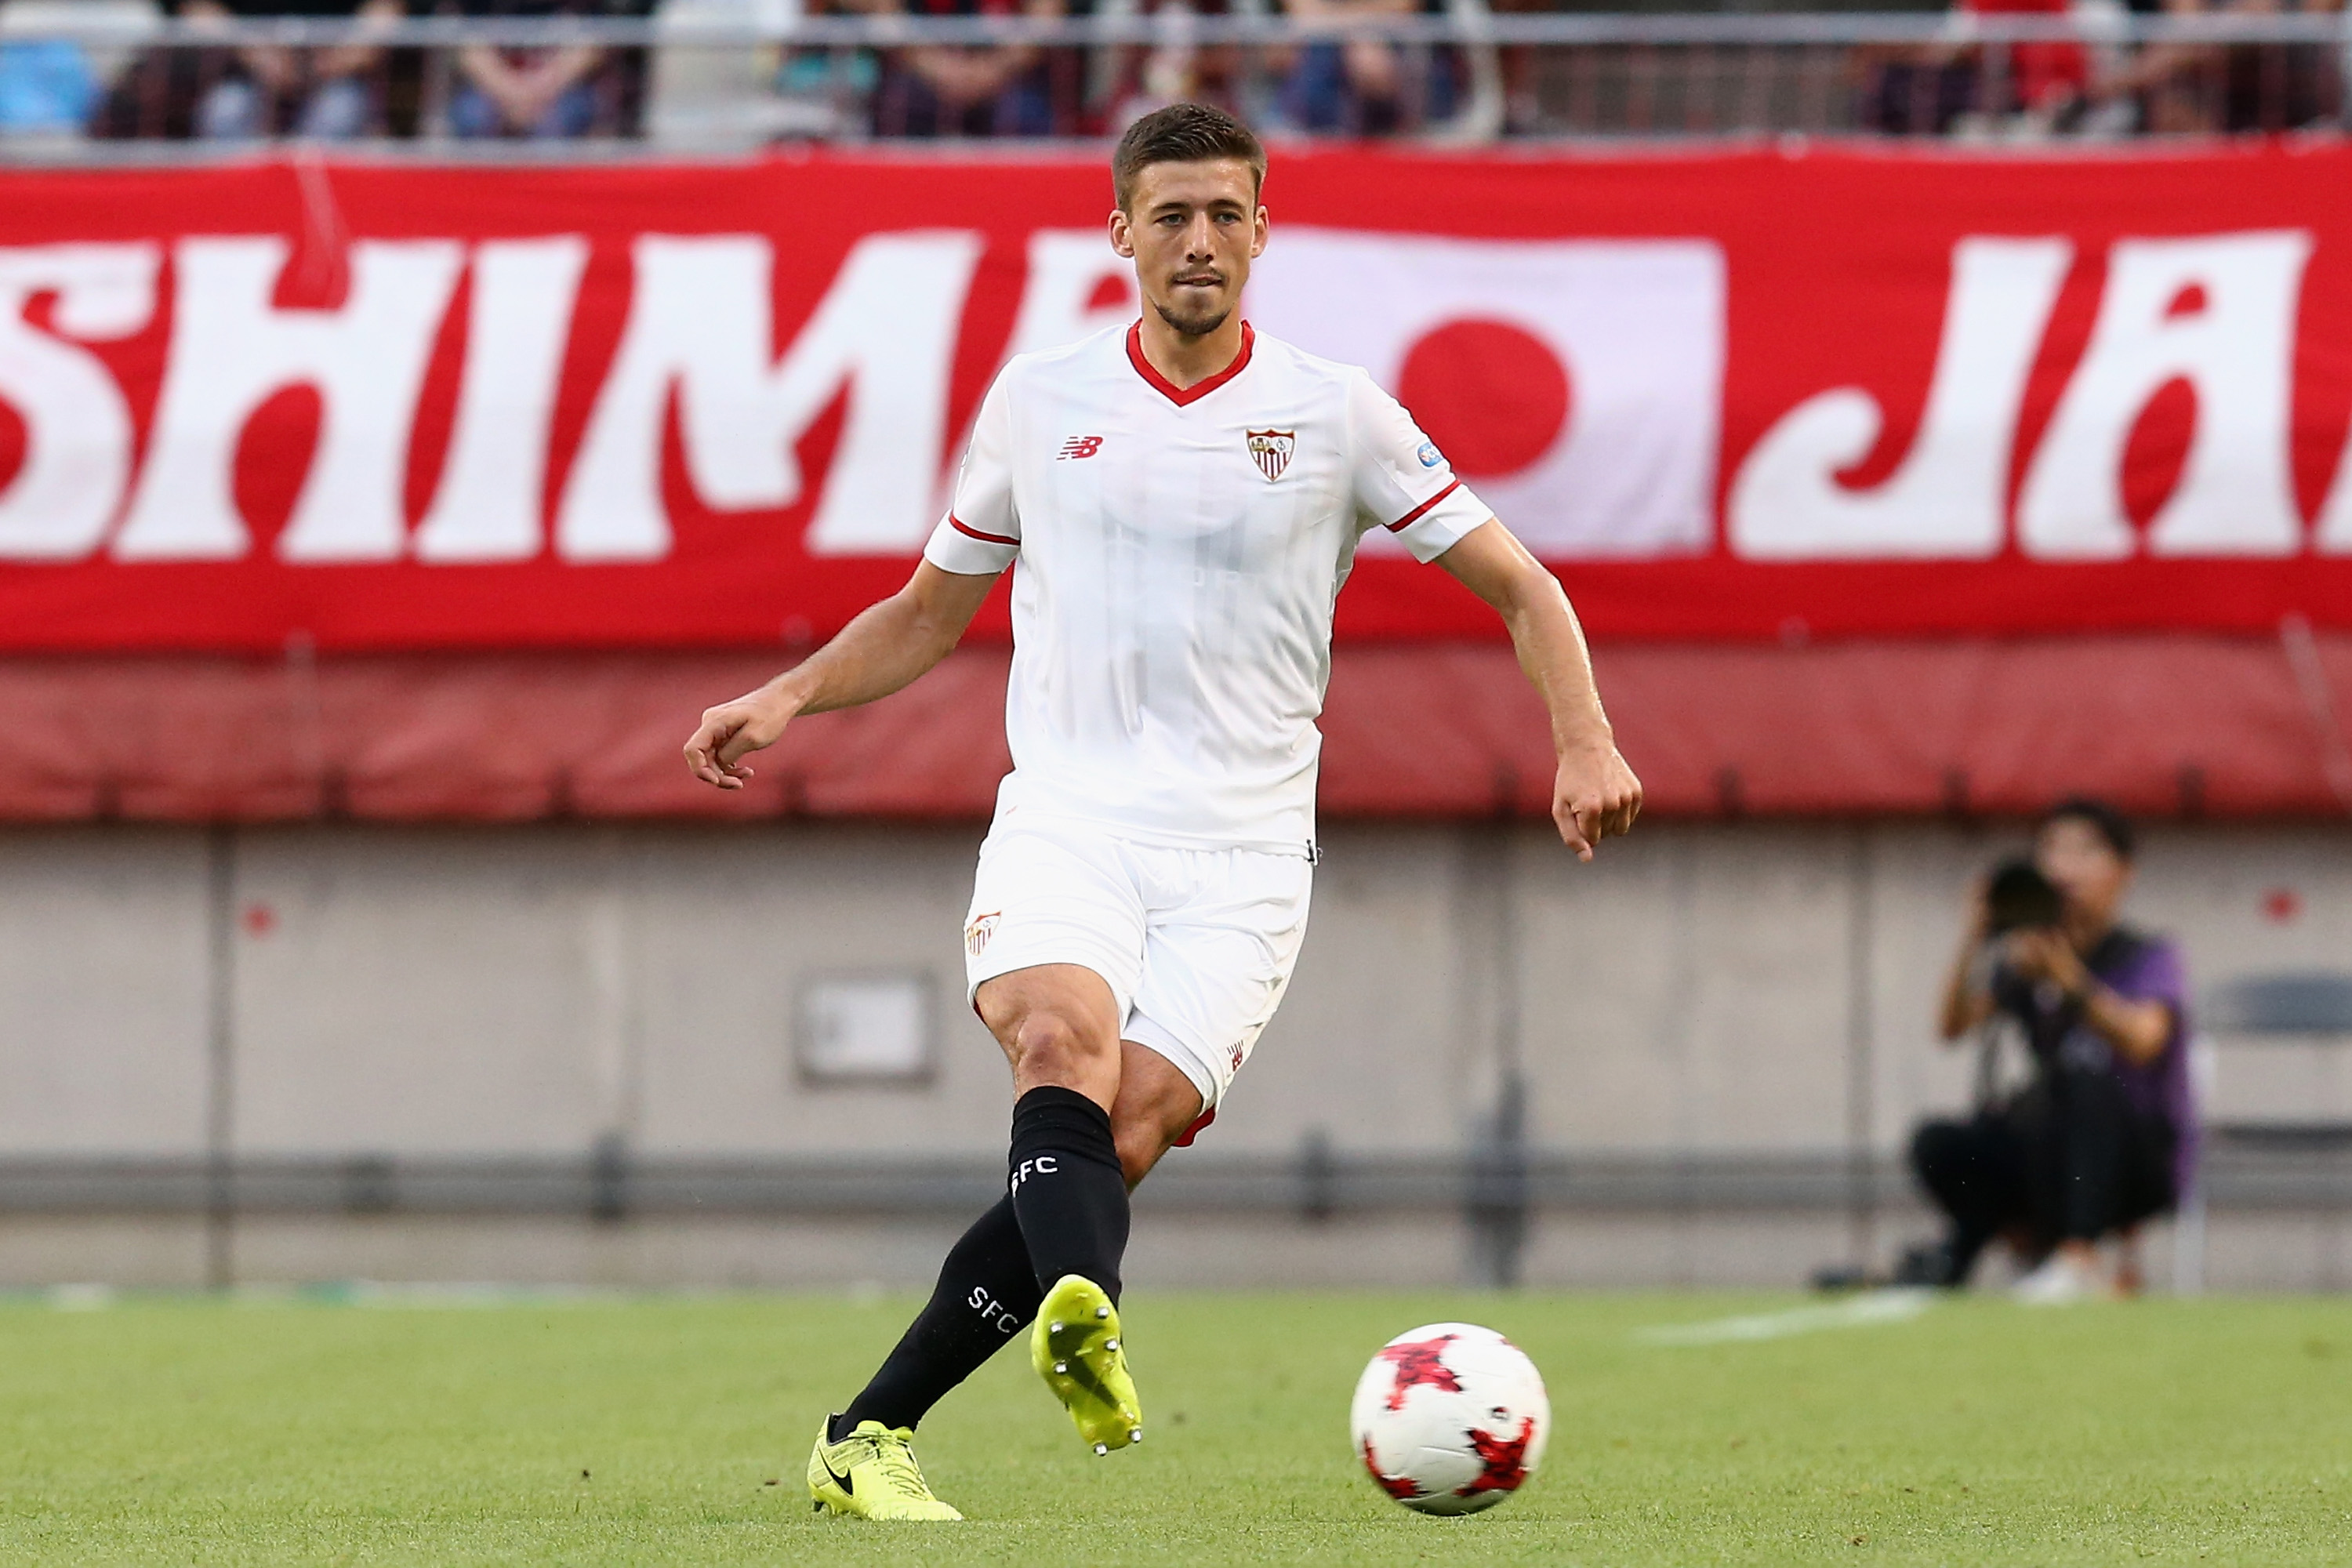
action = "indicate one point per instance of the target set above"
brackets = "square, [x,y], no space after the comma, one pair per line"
[964,527]
[1180,395]
[1401,524]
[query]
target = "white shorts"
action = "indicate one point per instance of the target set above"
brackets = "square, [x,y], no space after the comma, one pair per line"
[1197,945]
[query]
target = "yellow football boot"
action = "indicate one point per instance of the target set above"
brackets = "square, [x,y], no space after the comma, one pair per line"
[1074,1346]
[871,1474]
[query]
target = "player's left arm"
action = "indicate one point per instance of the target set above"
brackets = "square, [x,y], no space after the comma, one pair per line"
[1594,794]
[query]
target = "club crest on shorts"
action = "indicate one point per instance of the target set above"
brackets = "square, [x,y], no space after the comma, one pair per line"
[982,927]
[1270,449]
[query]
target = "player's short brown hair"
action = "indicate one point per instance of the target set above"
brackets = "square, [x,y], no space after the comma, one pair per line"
[1183,133]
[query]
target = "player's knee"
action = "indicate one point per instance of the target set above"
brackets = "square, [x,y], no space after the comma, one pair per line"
[1049,1047]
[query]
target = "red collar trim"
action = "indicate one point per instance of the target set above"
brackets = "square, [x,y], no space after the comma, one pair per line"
[1183,396]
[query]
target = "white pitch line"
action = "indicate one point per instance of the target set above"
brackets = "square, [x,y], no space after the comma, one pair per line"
[1892,1306]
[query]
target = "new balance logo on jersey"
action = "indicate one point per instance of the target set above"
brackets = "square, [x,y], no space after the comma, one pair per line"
[1080,446]
[1270,449]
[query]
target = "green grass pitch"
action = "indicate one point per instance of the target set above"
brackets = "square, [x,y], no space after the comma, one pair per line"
[675,1430]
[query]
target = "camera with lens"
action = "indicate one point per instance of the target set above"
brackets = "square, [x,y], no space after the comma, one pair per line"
[2020,897]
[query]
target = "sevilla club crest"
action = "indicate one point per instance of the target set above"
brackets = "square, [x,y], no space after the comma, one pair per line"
[982,927]
[1270,449]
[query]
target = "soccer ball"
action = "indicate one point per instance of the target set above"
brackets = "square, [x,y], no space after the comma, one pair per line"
[1450,1418]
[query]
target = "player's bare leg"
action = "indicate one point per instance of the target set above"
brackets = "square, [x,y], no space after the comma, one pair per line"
[1058,1024]
[1156,1105]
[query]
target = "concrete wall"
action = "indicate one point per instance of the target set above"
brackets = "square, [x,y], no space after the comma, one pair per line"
[1746,989]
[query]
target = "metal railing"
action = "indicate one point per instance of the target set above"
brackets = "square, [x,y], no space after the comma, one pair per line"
[1318,1184]
[693,78]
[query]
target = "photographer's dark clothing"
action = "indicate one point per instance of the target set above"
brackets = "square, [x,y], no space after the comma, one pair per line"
[1975,1169]
[2096,1144]
[2094,1163]
[2139,968]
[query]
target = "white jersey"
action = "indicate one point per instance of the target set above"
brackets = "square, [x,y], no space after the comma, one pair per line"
[1180,551]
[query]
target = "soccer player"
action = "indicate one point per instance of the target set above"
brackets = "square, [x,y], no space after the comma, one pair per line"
[1184,497]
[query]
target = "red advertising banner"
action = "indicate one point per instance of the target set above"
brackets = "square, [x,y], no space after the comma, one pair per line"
[1765,394]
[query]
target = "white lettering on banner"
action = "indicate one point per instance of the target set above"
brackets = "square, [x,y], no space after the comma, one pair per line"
[78,430]
[1627,336]
[1950,496]
[2332,533]
[1067,271]
[2217,312]
[1630,333]
[232,349]
[700,321]
[488,503]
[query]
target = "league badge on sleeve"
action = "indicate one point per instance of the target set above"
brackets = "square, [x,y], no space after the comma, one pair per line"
[1270,449]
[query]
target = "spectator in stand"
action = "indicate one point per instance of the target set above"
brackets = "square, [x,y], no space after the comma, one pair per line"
[2282,87]
[2043,84]
[1521,66]
[2163,88]
[544,94]
[47,86]
[266,89]
[1363,87]
[834,86]
[2031,88]
[1180,71]
[2181,88]
[937,89]
[2098,1142]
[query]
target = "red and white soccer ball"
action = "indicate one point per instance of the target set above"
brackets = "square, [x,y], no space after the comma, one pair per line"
[1451,1418]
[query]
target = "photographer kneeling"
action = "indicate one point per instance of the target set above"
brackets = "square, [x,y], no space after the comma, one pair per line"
[2089,1148]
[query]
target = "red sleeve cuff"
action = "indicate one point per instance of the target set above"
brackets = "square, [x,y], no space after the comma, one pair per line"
[1399,526]
[966,529]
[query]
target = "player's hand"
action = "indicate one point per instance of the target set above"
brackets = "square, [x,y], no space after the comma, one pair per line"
[733,731]
[1594,796]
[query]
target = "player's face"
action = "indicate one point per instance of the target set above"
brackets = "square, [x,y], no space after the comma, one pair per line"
[1193,230]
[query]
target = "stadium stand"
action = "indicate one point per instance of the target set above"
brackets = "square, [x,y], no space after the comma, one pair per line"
[737,74]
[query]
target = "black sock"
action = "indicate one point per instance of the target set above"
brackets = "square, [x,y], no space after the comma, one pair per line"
[985,1295]
[1067,1188]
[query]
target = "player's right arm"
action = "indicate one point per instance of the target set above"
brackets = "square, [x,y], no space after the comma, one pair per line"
[892,643]
[882,651]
